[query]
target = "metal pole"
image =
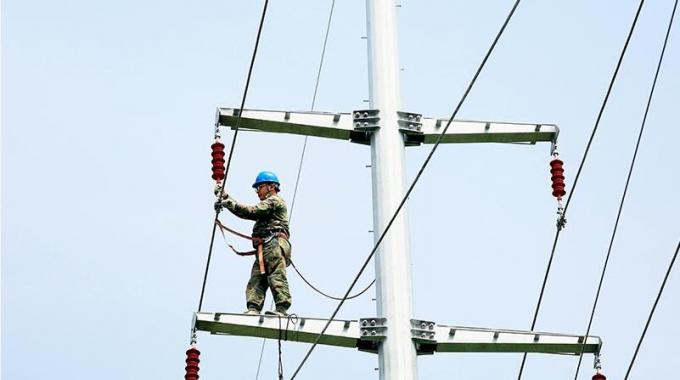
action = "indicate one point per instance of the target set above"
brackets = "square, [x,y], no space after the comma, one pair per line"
[397,355]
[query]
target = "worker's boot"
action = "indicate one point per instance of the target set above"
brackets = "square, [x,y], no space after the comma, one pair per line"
[251,311]
[279,312]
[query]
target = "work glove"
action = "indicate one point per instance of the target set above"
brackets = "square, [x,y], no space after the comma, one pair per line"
[218,190]
[218,206]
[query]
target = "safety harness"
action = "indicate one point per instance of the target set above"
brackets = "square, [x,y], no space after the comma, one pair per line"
[258,243]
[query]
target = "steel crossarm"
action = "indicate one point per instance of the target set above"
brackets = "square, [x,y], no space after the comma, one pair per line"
[468,339]
[318,124]
[342,333]
[342,126]
[427,336]
[462,131]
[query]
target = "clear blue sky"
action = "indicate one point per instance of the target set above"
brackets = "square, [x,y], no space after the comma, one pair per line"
[107,199]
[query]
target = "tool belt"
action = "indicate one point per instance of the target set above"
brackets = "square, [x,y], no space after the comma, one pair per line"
[258,243]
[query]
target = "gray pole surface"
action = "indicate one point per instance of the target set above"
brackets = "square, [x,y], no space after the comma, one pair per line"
[397,354]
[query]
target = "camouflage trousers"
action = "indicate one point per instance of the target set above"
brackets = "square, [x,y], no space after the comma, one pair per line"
[276,255]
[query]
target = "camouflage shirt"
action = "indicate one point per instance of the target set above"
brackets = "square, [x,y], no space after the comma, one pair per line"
[270,215]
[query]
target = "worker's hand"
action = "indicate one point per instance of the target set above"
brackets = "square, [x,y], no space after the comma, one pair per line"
[218,206]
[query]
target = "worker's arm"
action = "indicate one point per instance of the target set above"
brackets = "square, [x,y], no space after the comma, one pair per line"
[259,211]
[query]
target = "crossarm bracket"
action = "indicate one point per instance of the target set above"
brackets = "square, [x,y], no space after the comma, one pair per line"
[468,339]
[415,128]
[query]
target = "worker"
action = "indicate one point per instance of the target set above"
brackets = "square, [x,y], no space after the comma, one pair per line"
[271,230]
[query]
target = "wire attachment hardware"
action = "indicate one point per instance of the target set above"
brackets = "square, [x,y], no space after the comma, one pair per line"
[217,127]
[561,220]
[598,368]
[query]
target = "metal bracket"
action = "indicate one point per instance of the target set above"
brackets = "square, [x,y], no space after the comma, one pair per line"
[192,333]
[423,336]
[365,122]
[372,331]
[410,126]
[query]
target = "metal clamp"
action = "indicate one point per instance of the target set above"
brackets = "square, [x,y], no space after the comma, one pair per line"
[372,331]
[410,125]
[365,122]
[192,334]
[423,335]
[422,331]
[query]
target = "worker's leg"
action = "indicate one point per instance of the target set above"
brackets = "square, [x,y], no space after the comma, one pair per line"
[256,289]
[274,253]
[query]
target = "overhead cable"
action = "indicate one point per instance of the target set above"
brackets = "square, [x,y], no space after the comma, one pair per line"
[625,189]
[578,174]
[311,108]
[410,189]
[297,179]
[231,150]
[651,313]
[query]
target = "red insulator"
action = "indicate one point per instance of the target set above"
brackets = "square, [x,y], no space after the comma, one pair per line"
[218,161]
[192,364]
[599,376]
[557,171]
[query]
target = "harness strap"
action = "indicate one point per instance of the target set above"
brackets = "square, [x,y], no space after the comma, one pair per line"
[223,228]
[256,241]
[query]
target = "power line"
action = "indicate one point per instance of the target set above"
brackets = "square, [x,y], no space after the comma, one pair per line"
[231,150]
[410,189]
[311,108]
[578,174]
[656,302]
[297,179]
[625,189]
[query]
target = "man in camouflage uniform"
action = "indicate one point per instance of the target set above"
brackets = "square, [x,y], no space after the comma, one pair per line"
[271,226]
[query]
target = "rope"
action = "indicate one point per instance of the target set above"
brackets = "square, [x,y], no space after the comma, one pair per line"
[656,302]
[410,189]
[327,295]
[625,190]
[231,151]
[578,174]
[250,253]
[291,318]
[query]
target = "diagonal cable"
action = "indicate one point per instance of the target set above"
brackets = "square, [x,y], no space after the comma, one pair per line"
[410,189]
[625,189]
[231,150]
[311,108]
[302,157]
[651,313]
[578,174]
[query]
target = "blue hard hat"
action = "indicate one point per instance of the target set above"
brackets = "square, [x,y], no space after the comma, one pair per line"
[266,177]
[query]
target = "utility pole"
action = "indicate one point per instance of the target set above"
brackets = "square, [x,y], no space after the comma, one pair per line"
[394,300]
[393,334]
